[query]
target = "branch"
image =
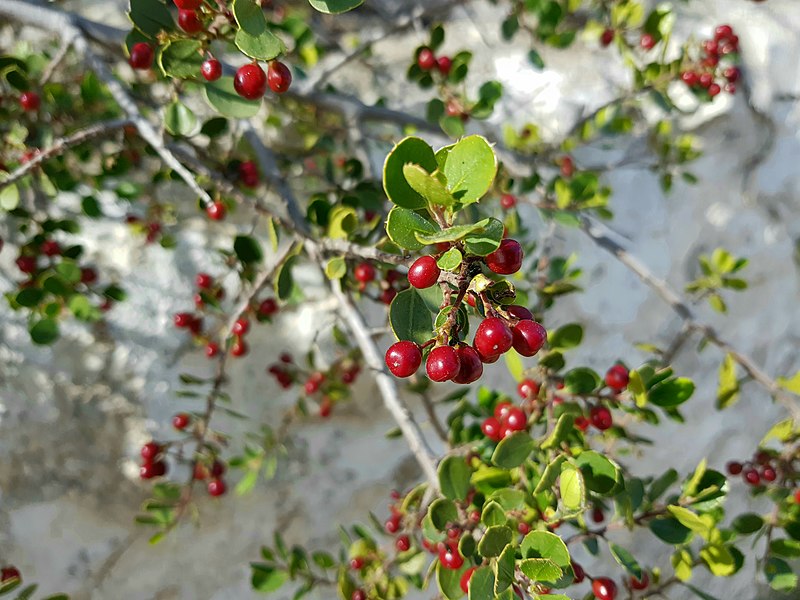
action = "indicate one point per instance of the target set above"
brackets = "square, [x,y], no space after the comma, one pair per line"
[683,310]
[61,145]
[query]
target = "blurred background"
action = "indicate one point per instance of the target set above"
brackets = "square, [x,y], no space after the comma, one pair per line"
[73,416]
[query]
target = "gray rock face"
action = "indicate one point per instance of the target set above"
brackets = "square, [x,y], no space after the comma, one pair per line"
[73,416]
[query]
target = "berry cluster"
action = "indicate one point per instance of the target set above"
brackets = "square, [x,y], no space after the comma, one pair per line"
[251,82]
[763,468]
[153,463]
[393,281]
[151,228]
[427,61]
[716,69]
[502,327]
[507,419]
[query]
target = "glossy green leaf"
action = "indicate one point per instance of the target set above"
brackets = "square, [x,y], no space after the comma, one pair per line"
[564,427]
[179,119]
[481,584]
[336,268]
[224,99]
[567,336]
[748,523]
[450,260]
[550,475]
[335,7]
[470,169]
[601,475]
[150,17]
[493,514]
[671,393]
[247,249]
[486,240]
[504,569]
[513,450]
[449,581]
[181,59]
[454,476]
[494,540]
[626,559]
[410,317]
[410,150]
[543,544]
[540,569]
[44,332]
[571,487]
[582,381]
[442,511]
[426,185]
[403,226]
[454,233]
[780,575]
[254,37]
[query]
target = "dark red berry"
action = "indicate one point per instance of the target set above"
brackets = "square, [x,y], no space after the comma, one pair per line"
[601,417]
[392,524]
[211,69]
[607,37]
[617,378]
[189,21]
[528,337]
[188,4]
[403,358]
[268,307]
[9,573]
[364,272]
[180,421]
[239,347]
[216,211]
[567,167]
[425,59]
[153,469]
[388,295]
[240,326]
[581,422]
[204,281]
[578,572]
[279,77]
[690,78]
[523,528]
[641,584]
[30,101]
[647,42]
[424,272]
[507,259]
[471,367]
[26,264]
[444,64]
[212,349]
[527,388]
[711,47]
[752,477]
[734,467]
[723,32]
[450,558]
[443,363]
[604,588]
[732,74]
[88,275]
[492,338]
[768,474]
[183,320]
[358,595]
[714,90]
[465,579]
[149,451]
[508,201]
[706,79]
[250,81]
[516,419]
[216,487]
[492,429]
[357,563]
[519,312]
[402,543]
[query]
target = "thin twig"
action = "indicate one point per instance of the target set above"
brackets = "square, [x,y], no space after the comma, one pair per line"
[433,417]
[61,53]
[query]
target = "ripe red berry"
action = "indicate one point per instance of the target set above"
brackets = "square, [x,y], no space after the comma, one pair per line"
[492,429]
[752,477]
[26,264]
[523,528]
[88,275]
[734,467]
[450,558]
[388,295]
[601,417]
[567,167]
[711,47]
[723,32]
[9,573]
[425,59]
[149,451]
[358,595]
[607,37]
[211,69]
[188,4]
[268,307]
[581,422]
[647,42]
[507,259]
[690,78]
[508,201]
[250,81]
[444,64]
[30,101]
[153,469]
[240,326]
[797,496]
[392,524]
[180,421]
[183,320]
[501,410]
[357,563]
[516,419]
[402,543]
[527,388]
[325,408]
[204,281]
[465,579]
[216,211]
[578,572]
[279,77]
[216,487]
[768,474]
[403,358]
[706,79]
[617,378]
[471,367]
[424,272]
[492,338]
[312,385]
[732,74]
[212,349]
[528,337]
[364,272]
[516,311]
[714,90]
[443,364]
[641,584]
[189,21]
[239,347]
[604,588]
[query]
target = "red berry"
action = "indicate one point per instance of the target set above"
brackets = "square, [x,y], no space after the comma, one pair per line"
[183,320]
[519,312]
[714,90]
[607,37]
[443,364]
[149,451]
[250,81]
[88,275]
[325,407]
[425,59]
[730,88]
[312,386]
[286,358]
[600,417]
[581,422]
[30,101]
[424,272]
[450,558]
[444,64]
[199,303]
[604,588]
[567,167]
[26,264]
[641,584]
[211,69]
[492,429]
[357,563]
[267,308]
[706,79]
[711,47]
[690,78]
[516,419]
[797,496]
[279,77]
[527,388]
[241,326]
[732,74]
[154,469]
[204,281]
[647,42]
[492,338]
[617,378]
[507,259]
[402,543]
[180,421]
[392,524]
[501,410]
[768,474]
[216,211]
[239,347]
[752,477]
[523,528]
[212,349]
[189,21]
[217,469]
[216,487]
[403,358]
[364,272]
[508,201]
[388,295]
[358,595]
[762,457]
[734,467]
[465,579]
[471,367]
[528,337]
[196,326]
[188,4]
[723,32]
[578,572]
[9,573]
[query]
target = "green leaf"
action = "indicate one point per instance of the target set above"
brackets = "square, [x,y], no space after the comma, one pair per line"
[335,7]
[540,569]
[403,225]
[450,260]
[69,271]
[247,249]
[780,575]
[150,17]
[266,578]
[550,475]
[284,281]
[28,297]
[44,332]
[601,475]
[563,428]
[224,99]
[91,207]
[691,520]
[410,150]
[671,393]
[748,523]
[670,531]
[535,59]
[514,364]
[336,268]
[455,233]
[83,310]
[494,540]
[410,317]
[626,559]
[571,486]
[442,512]
[9,197]
[481,584]
[254,37]
[454,476]
[513,450]
[682,564]
[342,221]
[719,560]
[470,169]
[544,544]
[486,240]
[582,381]
[567,336]
[493,514]
[181,59]
[179,119]
[428,186]
[728,389]
[449,581]
[504,569]
[785,547]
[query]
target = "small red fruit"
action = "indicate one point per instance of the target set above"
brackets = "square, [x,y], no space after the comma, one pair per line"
[516,419]
[154,469]
[216,487]
[403,358]
[443,364]
[617,378]
[211,69]
[450,558]
[392,524]
[268,307]
[578,572]
[647,42]
[582,423]
[424,272]
[183,320]
[734,467]
[425,59]
[607,37]
[203,281]
[508,201]
[519,312]
[507,259]
[149,451]
[444,64]
[528,337]
[240,326]
[188,4]
[492,429]
[714,90]
[30,101]
[641,584]
[604,588]
[9,573]
[212,349]
[189,21]
[690,78]
[26,264]
[216,211]
[388,295]
[471,367]
[723,32]
[364,272]
[181,421]
[465,579]
[567,167]
[88,275]
[523,528]
[768,474]
[279,77]
[601,417]
[752,477]
[527,388]
[402,543]
[358,595]
[239,347]
[250,81]
[492,338]
[325,408]
[357,563]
